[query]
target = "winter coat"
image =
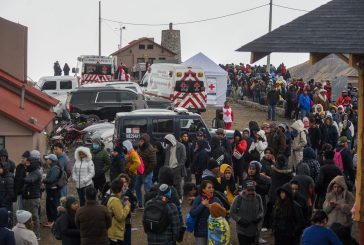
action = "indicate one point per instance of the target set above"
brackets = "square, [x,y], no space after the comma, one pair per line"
[93,220]
[119,213]
[33,181]
[134,161]
[272,97]
[20,173]
[101,160]
[117,165]
[298,143]
[6,188]
[279,177]
[201,214]
[327,173]
[347,163]
[218,231]
[52,177]
[10,164]
[189,153]
[277,141]
[148,154]
[200,158]
[317,234]
[6,235]
[262,182]
[69,231]
[83,169]
[260,145]
[346,128]
[180,151]
[307,187]
[329,133]
[304,102]
[23,236]
[248,213]
[208,175]
[314,135]
[346,200]
[218,152]
[322,100]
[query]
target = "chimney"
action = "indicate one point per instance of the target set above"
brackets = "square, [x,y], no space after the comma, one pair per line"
[22,97]
[171,26]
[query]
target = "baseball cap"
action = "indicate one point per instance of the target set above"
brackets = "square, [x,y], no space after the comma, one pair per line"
[51,157]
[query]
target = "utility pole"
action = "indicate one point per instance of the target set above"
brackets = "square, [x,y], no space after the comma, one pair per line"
[269,30]
[99,28]
[121,36]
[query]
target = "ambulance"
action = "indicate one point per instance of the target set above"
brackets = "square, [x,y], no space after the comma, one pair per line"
[183,85]
[94,69]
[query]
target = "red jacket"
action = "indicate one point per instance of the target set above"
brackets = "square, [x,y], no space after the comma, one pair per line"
[343,101]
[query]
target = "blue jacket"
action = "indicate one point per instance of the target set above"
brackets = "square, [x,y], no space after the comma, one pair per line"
[52,176]
[318,235]
[304,102]
[63,160]
[201,214]
[6,235]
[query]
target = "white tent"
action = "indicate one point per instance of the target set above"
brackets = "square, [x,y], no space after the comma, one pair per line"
[216,78]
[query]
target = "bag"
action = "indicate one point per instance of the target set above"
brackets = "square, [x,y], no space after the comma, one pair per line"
[141,168]
[190,223]
[338,159]
[105,199]
[155,217]
[62,179]
[56,228]
[237,154]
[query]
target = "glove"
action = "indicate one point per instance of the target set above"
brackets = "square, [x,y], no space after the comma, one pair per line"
[243,223]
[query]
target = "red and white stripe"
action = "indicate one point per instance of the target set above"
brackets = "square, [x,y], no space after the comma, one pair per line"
[95,78]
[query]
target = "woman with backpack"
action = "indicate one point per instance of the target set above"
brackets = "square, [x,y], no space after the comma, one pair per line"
[69,232]
[200,211]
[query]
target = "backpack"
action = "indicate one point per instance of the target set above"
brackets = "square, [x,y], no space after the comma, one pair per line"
[190,223]
[338,159]
[56,228]
[140,169]
[62,179]
[155,217]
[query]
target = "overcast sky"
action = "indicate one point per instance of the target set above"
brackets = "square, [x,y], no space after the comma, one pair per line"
[63,30]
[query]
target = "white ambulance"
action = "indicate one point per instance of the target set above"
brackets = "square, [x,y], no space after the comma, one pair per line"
[94,69]
[183,85]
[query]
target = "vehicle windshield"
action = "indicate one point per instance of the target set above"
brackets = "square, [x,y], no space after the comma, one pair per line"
[189,86]
[101,69]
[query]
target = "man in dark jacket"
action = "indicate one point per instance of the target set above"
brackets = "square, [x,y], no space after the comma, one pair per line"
[6,189]
[148,154]
[218,121]
[218,152]
[200,159]
[185,140]
[118,162]
[224,142]
[66,69]
[93,220]
[20,173]
[31,193]
[329,132]
[347,159]
[6,235]
[101,161]
[327,173]
[276,139]
[64,162]
[52,190]
[272,100]
[4,158]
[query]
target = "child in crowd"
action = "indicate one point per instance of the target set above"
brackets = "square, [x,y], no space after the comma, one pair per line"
[218,227]
[227,181]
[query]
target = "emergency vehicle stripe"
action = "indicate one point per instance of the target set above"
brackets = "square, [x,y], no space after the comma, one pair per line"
[198,100]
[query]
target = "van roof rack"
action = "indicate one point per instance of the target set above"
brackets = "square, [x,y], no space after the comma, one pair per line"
[180,110]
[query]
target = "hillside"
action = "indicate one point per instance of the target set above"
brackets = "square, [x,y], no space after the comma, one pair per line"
[326,69]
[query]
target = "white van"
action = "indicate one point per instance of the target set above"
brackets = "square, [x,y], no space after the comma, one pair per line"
[183,85]
[57,85]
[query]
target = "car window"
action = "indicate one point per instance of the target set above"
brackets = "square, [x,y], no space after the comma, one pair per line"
[163,126]
[132,88]
[128,96]
[133,128]
[49,85]
[107,97]
[191,124]
[66,85]
[81,98]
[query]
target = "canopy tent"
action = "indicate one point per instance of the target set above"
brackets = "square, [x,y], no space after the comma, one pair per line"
[216,78]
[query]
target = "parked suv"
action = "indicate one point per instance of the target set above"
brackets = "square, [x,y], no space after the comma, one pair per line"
[104,102]
[157,123]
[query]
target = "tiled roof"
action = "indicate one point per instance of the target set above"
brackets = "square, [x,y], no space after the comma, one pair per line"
[336,27]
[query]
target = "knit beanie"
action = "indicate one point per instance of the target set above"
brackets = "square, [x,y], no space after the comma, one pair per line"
[70,200]
[216,210]
[164,190]
[23,216]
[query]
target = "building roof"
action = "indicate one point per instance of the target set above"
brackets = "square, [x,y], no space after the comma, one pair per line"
[137,41]
[33,116]
[336,27]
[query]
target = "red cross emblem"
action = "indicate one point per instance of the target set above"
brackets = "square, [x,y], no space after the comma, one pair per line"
[183,85]
[197,86]
[227,113]
[211,86]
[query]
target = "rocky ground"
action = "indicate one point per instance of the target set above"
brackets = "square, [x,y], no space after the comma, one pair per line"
[243,115]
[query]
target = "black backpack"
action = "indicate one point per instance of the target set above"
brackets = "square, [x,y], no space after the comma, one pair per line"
[155,217]
[62,179]
[56,229]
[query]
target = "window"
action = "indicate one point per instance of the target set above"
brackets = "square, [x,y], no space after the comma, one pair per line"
[140,60]
[81,98]
[133,128]
[150,46]
[65,85]
[2,142]
[163,126]
[107,97]
[128,96]
[49,85]
[141,46]
[191,125]
[162,58]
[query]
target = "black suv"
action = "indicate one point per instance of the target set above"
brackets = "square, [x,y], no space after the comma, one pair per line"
[157,123]
[104,102]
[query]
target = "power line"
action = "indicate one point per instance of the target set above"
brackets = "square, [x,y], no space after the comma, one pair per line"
[285,7]
[189,22]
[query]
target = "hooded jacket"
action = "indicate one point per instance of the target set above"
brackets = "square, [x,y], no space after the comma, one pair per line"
[280,175]
[6,188]
[134,161]
[277,141]
[101,160]
[346,200]
[70,232]
[309,158]
[262,182]
[11,167]
[218,152]
[260,145]
[180,151]
[200,157]
[24,236]
[6,235]
[329,133]
[299,141]
[33,181]
[148,154]
[83,169]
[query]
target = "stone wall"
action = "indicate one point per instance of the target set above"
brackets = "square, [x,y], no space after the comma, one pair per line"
[171,40]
